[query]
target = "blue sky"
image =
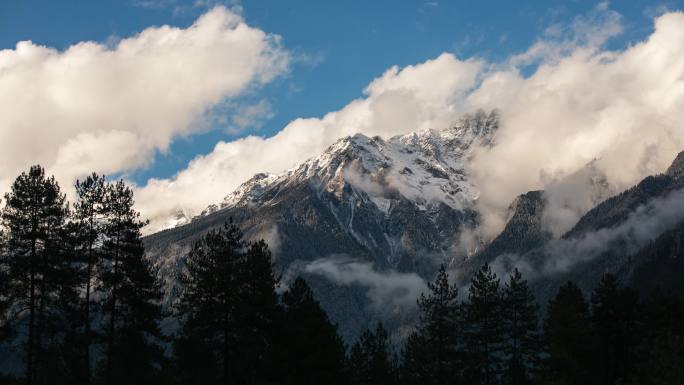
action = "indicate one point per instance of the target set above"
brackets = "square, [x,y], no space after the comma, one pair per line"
[188,99]
[339,47]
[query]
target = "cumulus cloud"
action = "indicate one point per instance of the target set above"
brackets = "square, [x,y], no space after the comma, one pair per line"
[400,101]
[386,290]
[109,108]
[623,108]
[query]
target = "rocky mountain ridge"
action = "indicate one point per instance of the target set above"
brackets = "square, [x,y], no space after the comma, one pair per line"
[618,236]
[398,206]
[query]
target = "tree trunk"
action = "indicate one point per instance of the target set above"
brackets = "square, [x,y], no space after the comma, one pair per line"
[112,319]
[225,348]
[32,306]
[40,325]
[86,352]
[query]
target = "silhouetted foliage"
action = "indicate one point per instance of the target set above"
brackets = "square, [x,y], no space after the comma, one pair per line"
[615,319]
[521,331]
[309,349]
[208,303]
[432,354]
[258,314]
[483,328]
[371,360]
[569,340]
[82,304]
[660,357]
[87,233]
[230,310]
[129,295]
[38,277]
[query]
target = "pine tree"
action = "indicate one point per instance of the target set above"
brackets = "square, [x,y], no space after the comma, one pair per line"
[130,294]
[569,340]
[370,359]
[415,366]
[661,351]
[432,352]
[87,233]
[208,304]
[34,217]
[258,313]
[382,362]
[521,331]
[196,345]
[615,319]
[483,331]
[5,300]
[309,352]
[64,356]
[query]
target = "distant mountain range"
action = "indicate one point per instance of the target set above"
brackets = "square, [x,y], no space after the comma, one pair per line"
[388,211]
[635,235]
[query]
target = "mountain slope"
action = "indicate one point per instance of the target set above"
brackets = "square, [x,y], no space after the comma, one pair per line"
[617,236]
[524,230]
[661,263]
[398,204]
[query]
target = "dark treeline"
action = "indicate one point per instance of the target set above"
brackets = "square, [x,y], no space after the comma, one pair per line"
[497,335]
[80,304]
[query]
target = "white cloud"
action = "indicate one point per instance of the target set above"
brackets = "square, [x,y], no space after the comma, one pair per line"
[399,101]
[586,32]
[109,108]
[389,290]
[624,108]
[567,199]
[251,116]
[582,102]
[642,226]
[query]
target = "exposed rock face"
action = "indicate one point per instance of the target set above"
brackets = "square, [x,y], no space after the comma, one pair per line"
[401,204]
[524,230]
[617,236]
[676,170]
[660,265]
[398,204]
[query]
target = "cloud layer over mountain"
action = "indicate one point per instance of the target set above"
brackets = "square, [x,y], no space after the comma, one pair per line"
[623,108]
[400,101]
[110,107]
[388,291]
[642,226]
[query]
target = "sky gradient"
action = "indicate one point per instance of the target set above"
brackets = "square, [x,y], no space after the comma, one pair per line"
[339,47]
[302,59]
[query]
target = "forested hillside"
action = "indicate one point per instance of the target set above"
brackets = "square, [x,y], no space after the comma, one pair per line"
[81,305]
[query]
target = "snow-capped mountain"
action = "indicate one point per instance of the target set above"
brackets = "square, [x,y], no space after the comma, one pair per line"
[426,167]
[400,205]
[396,203]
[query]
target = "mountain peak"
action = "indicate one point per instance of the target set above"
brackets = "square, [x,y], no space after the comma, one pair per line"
[427,167]
[250,190]
[676,169]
